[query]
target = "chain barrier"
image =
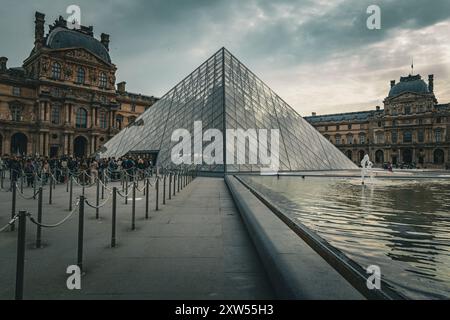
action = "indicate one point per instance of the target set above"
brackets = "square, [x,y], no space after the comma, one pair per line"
[10,223]
[30,217]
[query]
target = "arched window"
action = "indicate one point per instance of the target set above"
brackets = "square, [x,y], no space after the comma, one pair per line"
[103,81]
[103,120]
[438,156]
[350,139]
[362,138]
[81,119]
[81,74]
[349,154]
[55,114]
[338,140]
[56,70]
[379,156]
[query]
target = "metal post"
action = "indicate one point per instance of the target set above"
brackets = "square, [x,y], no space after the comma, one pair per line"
[71,193]
[174,182]
[178,182]
[97,199]
[147,191]
[80,233]
[20,266]
[103,186]
[164,190]
[39,219]
[34,186]
[133,210]
[2,178]
[114,208]
[157,193]
[50,193]
[67,182]
[13,206]
[126,190]
[170,186]
[21,181]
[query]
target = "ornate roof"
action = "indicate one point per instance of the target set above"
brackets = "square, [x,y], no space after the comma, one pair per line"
[60,38]
[410,83]
[349,116]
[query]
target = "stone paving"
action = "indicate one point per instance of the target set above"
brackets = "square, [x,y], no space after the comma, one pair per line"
[195,247]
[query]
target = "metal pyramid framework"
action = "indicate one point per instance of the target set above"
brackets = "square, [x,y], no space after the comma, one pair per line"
[225,94]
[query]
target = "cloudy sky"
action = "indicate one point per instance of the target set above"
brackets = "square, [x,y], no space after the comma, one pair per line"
[316,54]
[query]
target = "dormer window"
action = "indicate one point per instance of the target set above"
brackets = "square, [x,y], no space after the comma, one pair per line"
[56,71]
[81,75]
[103,80]
[408,110]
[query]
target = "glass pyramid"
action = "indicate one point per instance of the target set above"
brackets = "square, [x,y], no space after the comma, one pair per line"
[225,94]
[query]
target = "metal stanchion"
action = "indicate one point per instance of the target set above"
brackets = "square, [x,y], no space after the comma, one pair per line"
[126,190]
[67,181]
[2,178]
[97,200]
[20,266]
[170,186]
[178,182]
[34,186]
[114,210]
[164,190]
[133,208]
[13,205]
[174,182]
[157,193]
[80,233]
[50,193]
[147,192]
[71,193]
[39,219]
[21,182]
[103,186]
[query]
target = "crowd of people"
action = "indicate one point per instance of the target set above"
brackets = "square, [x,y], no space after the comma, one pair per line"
[63,167]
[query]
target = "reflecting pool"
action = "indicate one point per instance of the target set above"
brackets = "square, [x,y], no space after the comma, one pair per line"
[403,226]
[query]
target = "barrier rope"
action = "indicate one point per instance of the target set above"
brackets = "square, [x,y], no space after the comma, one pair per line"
[100,205]
[10,223]
[33,197]
[30,216]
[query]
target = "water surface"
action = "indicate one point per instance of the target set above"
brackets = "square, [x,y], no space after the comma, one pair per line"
[403,226]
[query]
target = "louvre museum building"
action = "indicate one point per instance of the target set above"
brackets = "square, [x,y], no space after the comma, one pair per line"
[63,100]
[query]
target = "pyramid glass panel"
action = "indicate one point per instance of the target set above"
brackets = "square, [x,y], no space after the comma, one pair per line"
[224,94]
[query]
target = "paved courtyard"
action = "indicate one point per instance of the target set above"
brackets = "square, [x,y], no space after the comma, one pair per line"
[195,247]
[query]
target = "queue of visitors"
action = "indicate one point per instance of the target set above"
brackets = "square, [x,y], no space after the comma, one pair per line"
[64,167]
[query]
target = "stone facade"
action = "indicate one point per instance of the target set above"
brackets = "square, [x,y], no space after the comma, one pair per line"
[63,100]
[412,130]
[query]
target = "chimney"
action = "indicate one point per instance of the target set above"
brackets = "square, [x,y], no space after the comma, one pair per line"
[39,30]
[392,83]
[105,40]
[314,114]
[378,108]
[431,83]
[121,87]
[3,61]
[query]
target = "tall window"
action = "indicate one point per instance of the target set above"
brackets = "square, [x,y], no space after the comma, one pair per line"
[81,75]
[350,139]
[81,118]
[338,140]
[394,137]
[56,70]
[103,120]
[103,80]
[119,121]
[362,139]
[380,138]
[16,112]
[133,107]
[407,137]
[421,136]
[16,91]
[438,135]
[55,114]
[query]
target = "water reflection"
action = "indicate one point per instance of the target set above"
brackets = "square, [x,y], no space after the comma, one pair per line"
[402,226]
